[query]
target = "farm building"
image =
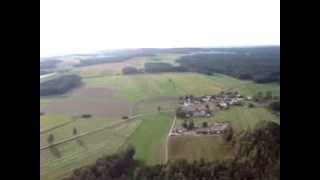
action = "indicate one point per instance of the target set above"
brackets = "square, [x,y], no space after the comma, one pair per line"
[214,129]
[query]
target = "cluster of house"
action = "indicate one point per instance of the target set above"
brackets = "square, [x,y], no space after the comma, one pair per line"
[193,107]
[214,129]
[226,99]
[199,106]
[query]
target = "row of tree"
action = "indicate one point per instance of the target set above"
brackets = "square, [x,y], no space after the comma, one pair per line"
[257,156]
[60,85]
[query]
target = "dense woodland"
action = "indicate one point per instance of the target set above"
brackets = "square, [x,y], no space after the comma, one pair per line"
[162,67]
[59,85]
[259,64]
[256,157]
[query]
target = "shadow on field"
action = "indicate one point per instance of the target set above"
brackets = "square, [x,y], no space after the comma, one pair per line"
[81,143]
[55,151]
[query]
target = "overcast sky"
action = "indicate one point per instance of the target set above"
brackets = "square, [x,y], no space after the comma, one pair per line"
[81,26]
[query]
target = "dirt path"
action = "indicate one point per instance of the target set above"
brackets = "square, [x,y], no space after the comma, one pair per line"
[167,141]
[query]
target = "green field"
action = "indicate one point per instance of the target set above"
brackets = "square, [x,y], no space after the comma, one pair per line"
[150,137]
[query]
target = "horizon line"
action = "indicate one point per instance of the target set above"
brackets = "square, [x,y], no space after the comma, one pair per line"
[181,47]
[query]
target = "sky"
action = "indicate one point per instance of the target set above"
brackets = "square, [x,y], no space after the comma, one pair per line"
[84,26]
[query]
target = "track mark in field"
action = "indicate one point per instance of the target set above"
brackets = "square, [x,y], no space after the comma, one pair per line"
[167,141]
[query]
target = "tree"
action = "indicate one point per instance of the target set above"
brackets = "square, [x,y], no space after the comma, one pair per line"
[50,138]
[191,125]
[204,124]
[180,113]
[159,108]
[185,124]
[251,105]
[75,131]
[258,97]
[275,106]
[268,95]
[228,134]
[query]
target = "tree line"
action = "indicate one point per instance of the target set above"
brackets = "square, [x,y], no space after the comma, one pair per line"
[256,156]
[59,85]
[259,64]
[49,64]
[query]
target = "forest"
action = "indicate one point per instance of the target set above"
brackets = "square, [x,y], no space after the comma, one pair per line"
[261,64]
[162,67]
[256,156]
[59,85]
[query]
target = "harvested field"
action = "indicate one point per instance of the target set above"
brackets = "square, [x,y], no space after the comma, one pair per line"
[99,102]
[196,147]
[166,103]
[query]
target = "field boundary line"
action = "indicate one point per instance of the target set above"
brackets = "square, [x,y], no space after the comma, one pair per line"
[58,126]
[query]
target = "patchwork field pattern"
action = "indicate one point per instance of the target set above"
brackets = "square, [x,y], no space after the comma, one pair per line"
[110,97]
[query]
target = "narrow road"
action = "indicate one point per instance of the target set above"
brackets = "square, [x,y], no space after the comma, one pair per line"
[167,141]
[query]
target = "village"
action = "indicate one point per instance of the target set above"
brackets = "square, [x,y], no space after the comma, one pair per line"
[191,108]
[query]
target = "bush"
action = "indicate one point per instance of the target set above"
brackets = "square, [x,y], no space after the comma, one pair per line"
[204,124]
[74,131]
[86,116]
[50,138]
